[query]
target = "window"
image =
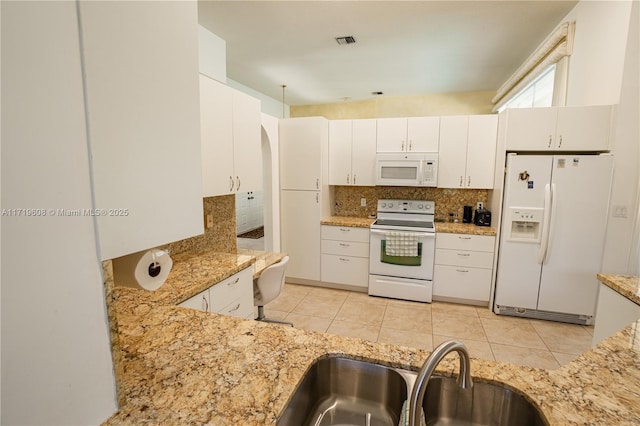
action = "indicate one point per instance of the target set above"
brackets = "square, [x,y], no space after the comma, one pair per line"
[539,93]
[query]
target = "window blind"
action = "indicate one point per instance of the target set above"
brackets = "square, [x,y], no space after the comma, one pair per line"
[555,47]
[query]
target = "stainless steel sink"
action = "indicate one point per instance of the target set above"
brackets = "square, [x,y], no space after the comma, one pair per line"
[346,392]
[445,403]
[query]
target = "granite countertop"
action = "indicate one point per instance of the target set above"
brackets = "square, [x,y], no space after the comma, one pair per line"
[625,285]
[183,366]
[464,228]
[355,222]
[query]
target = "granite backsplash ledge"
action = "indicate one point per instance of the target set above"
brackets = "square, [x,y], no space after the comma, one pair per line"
[347,199]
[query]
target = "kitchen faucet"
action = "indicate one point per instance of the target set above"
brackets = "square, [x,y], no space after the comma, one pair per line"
[420,386]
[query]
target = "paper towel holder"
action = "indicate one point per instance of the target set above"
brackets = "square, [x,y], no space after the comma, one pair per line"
[146,270]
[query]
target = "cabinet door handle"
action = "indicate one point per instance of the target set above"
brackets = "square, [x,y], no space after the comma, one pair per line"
[402,148]
[462,270]
[347,178]
[560,144]
[317,199]
[232,283]
[235,308]
[354,179]
[238,179]
[461,180]
[410,145]
[550,140]
[317,183]
[231,183]
[205,304]
[468,180]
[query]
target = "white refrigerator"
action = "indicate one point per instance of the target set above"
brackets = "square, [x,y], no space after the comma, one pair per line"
[552,236]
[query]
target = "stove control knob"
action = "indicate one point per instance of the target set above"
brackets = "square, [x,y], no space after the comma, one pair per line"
[384,205]
[420,206]
[390,205]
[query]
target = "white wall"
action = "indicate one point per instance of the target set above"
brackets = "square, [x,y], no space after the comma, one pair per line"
[597,62]
[271,182]
[621,245]
[56,358]
[603,70]
[213,55]
[268,104]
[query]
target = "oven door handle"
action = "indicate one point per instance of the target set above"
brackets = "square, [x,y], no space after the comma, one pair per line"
[417,234]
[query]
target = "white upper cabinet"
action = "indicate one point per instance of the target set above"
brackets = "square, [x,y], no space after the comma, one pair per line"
[414,134]
[301,142]
[143,120]
[247,142]
[558,128]
[230,135]
[352,152]
[466,155]
[216,129]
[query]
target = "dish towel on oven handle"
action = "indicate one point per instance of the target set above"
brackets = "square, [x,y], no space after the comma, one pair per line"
[401,244]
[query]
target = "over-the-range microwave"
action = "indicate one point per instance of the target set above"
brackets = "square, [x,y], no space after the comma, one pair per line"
[407,169]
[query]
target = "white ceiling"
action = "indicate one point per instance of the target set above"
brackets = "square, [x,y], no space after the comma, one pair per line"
[402,47]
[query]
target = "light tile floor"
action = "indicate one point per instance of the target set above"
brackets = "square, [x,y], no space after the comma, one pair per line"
[534,343]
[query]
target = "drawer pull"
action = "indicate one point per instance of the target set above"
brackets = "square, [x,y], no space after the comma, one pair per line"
[462,270]
[345,245]
[464,254]
[205,304]
[344,259]
[464,238]
[235,308]
[345,229]
[232,283]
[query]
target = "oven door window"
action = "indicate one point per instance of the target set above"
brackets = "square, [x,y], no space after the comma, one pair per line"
[400,260]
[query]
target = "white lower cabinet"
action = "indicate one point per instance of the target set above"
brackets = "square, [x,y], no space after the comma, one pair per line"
[232,296]
[463,267]
[345,255]
[613,313]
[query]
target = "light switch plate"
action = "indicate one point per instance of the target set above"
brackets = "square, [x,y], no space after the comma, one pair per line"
[363,202]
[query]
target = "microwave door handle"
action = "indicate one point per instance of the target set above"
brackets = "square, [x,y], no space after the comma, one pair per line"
[421,170]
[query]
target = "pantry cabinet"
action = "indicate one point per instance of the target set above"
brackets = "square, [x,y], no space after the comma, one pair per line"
[558,128]
[463,268]
[141,84]
[352,152]
[345,255]
[232,296]
[230,137]
[304,195]
[466,156]
[413,134]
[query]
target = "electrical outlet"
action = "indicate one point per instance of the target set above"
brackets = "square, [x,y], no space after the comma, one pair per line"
[363,202]
[479,205]
[620,211]
[209,221]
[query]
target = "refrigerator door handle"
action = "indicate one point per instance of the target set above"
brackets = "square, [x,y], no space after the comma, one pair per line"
[542,251]
[552,223]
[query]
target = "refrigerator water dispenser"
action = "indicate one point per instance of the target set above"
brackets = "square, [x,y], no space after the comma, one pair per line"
[526,224]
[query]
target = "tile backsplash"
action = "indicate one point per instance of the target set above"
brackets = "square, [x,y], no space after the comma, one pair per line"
[348,198]
[221,236]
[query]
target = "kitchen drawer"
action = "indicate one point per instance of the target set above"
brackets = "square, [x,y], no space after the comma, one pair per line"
[200,301]
[345,270]
[241,308]
[472,259]
[345,233]
[237,286]
[461,282]
[465,242]
[345,248]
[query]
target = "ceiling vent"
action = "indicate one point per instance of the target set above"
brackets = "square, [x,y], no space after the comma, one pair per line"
[345,40]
